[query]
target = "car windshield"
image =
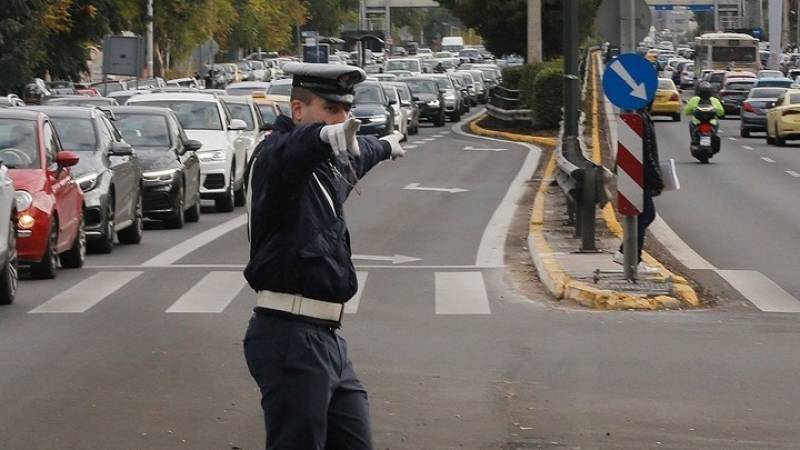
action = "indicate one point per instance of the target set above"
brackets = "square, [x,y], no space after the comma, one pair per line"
[144,130]
[404,93]
[739,85]
[368,94]
[666,85]
[794,99]
[422,86]
[403,64]
[76,134]
[194,115]
[770,74]
[267,113]
[775,83]
[84,101]
[766,93]
[444,83]
[242,111]
[243,91]
[280,89]
[18,144]
[390,93]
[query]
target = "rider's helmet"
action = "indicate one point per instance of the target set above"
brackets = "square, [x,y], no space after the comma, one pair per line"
[704,90]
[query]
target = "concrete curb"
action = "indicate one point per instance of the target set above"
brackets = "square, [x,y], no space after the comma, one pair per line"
[540,140]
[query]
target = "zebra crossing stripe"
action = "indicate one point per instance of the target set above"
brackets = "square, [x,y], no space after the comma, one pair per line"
[461,293]
[87,293]
[212,294]
[351,307]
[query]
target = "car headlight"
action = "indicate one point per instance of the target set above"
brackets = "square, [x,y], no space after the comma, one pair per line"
[23,199]
[433,103]
[88,182]
[159,175]
[377,119]
[214,155]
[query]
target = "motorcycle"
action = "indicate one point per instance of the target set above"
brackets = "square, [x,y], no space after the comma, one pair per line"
[705,143]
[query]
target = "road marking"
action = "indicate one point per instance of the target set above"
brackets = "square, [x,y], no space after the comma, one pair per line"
[87,293]
[177,252]
[438,136]
[769,160]
[793,173]
[470,148]
[396,259]
[212,294]
[732,138]
[242,266]
[461,293]
[351,307]
[678,247]
[409,146]
[417,187]
[746,147]
[764,293]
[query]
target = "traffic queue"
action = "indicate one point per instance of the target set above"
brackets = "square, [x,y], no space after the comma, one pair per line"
[82,172]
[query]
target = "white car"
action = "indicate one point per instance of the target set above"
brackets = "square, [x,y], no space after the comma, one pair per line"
[8,238]
[410,64]
[223,154]
[400,118]
[244,109]
[260,72]
[687,76]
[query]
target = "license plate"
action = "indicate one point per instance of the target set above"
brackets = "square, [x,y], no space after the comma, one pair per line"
[705,141]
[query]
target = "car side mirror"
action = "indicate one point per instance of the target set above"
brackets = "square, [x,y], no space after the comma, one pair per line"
[392,102]
[405,103]
[415,98]
[121,149]
[192,145]
[66,158]
[267,127]
[237,125]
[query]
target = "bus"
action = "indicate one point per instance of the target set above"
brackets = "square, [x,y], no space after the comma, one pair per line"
[726,51]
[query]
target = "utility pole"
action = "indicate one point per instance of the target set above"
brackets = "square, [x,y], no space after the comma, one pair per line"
[534,31]
[716,16]
[149,70]
[775,33]
[571,76]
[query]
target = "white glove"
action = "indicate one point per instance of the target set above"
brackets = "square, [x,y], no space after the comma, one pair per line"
[342,137]
[394,141]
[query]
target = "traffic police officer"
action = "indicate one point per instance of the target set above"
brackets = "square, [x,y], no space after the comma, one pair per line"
[300,263]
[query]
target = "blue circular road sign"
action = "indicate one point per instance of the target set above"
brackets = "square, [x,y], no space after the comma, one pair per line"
[630,81]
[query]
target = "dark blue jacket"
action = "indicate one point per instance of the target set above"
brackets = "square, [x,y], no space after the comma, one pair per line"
[299,242]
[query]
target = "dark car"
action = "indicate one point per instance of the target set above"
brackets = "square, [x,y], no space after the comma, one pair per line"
[109,174]
[430,100]
[170,167]
[715,78]
[733,92]
[372,108]
[754,109]
[80,100]
[452,97]
[676,74]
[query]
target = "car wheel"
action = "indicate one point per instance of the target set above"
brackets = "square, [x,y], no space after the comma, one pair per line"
[76,255]
[176,221]
[133,234]
[47,267]
[439,122]
[193,214]
[9,277]
[676,117]
[744,133]
[106,242]
[226,203]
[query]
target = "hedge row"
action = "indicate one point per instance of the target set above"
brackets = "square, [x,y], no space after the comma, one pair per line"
[541,89]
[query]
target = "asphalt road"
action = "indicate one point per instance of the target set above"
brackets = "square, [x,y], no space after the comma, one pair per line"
[142,350]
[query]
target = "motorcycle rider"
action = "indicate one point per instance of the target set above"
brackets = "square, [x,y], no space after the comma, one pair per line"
[704,95]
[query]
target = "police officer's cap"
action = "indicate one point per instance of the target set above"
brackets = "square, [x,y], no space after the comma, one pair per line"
[333,82]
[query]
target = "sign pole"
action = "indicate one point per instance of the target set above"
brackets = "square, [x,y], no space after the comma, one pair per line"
[630,223]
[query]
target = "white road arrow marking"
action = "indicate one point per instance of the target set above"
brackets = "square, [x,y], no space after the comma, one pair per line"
[396,259]
[417,187]
[638,90]
[470,148]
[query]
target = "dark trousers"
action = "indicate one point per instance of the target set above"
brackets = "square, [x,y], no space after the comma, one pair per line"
[645,219]
[311,396]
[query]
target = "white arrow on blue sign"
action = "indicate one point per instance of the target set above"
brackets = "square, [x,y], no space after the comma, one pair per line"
[630,81]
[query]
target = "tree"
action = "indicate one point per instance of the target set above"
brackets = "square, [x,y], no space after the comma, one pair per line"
[266,23]
[503,23]
[327,16]
[20,43]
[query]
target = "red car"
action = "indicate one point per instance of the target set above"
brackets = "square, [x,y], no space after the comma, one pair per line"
[49,202]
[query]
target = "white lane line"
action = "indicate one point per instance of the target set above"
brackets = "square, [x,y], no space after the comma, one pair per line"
[461,293]
[732,138]
[769,160]
[212,294]
[409,146]
[177,252]
[242,266]
[678,247]
[438,136]
[747,147]
[351,307]
[793,173]
[87,293]
[764,293]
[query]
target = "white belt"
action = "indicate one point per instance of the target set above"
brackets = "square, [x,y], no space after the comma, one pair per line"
[300,306]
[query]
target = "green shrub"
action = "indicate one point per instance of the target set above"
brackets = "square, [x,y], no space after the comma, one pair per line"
[528,77]
[512,75]
[547,98]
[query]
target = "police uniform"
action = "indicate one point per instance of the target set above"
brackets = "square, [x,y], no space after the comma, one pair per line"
[301,269]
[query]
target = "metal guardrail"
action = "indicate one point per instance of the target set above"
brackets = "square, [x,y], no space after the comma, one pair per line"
[504,104]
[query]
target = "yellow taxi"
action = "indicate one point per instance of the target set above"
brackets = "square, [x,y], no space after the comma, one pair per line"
[783,119]
[269,109]
[667,101]
[652,54]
